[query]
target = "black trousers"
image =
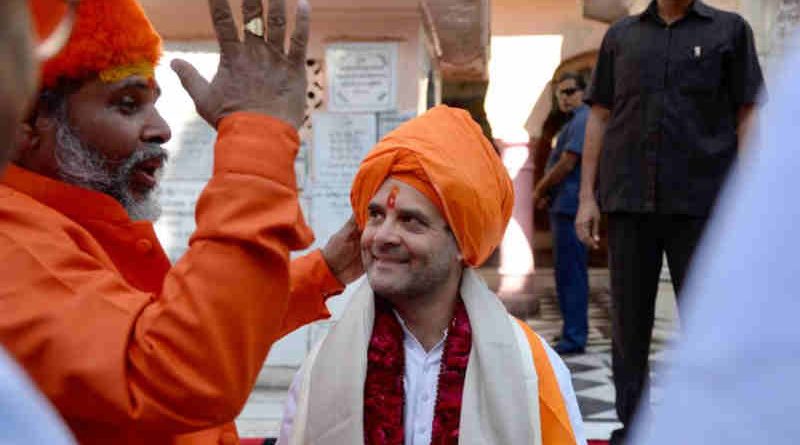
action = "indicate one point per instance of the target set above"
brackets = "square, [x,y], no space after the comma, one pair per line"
[636,244]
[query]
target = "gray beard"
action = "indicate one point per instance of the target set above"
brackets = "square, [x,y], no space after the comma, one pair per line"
[82,166]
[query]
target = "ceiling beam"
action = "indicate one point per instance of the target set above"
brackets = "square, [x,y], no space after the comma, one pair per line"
[459,35]
[606,11]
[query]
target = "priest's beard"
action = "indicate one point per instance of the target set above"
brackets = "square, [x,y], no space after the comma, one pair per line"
[82,166]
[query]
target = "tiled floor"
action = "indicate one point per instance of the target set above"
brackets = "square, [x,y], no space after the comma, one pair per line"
[591,372]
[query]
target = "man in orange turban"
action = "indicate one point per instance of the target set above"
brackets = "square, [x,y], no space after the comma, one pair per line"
[425,352]
[128,347]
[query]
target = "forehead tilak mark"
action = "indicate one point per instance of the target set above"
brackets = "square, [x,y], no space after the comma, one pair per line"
[391,201]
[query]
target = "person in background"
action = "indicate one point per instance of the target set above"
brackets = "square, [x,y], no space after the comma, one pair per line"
[559,189]
[673,93]
[732,378]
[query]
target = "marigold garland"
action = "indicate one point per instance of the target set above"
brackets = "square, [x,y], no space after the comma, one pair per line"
[383,389]
[449,392]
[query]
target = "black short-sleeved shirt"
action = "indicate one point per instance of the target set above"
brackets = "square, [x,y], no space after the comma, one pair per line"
[674,93]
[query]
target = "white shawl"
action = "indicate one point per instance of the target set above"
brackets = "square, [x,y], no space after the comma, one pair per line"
[500,400]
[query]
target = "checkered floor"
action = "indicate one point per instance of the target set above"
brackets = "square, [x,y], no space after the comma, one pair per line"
[591,371]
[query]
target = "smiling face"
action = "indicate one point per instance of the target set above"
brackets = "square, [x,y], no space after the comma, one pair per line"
[107,137]
[406,247]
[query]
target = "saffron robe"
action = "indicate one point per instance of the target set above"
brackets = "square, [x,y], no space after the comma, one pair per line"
[133,350]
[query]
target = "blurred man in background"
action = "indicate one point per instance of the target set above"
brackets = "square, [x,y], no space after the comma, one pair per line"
[25,415]
[18,71]
[559,189]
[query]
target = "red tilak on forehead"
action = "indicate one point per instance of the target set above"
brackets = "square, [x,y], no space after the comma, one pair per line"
[391,201]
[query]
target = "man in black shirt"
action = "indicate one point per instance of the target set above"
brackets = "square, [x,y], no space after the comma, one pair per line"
[673,92]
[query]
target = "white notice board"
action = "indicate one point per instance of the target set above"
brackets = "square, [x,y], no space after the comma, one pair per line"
[393,119]
[340,143]
[362,77]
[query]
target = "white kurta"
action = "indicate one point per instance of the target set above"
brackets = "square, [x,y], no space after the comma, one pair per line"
[420,381]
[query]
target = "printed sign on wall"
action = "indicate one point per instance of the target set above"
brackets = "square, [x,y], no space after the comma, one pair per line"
[362,77]
[340,143]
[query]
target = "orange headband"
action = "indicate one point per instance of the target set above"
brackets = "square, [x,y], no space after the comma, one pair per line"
[111,40]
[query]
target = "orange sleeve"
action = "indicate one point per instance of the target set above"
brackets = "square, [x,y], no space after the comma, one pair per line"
[106,353]
[311,283]
[556,427]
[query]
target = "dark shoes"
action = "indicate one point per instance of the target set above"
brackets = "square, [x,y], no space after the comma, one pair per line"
[617,437]
[562,349]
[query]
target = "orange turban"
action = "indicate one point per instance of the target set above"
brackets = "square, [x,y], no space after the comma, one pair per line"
[445,156]
[111,39]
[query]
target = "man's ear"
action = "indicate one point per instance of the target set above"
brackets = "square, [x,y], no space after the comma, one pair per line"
[34,141]
[26,140]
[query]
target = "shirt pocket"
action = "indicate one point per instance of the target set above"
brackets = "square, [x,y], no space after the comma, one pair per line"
[702,79]
[700,69]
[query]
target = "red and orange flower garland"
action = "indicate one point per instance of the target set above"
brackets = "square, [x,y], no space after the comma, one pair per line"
[384,395]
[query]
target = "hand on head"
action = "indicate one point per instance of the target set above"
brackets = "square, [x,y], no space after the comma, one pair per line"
[254,74]
[343,253]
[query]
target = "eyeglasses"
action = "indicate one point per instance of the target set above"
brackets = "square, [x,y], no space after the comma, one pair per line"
[51,45]
[568,91]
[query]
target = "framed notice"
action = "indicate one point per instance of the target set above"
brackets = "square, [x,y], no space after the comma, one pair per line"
[362,76]
[393,119]
[341,140]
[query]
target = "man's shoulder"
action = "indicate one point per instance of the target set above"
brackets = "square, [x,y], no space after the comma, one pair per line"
[16,207]
[581,114]
[729,19]
[617,32]
[30,224]
[576,126]
[623,24]
[723,14]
